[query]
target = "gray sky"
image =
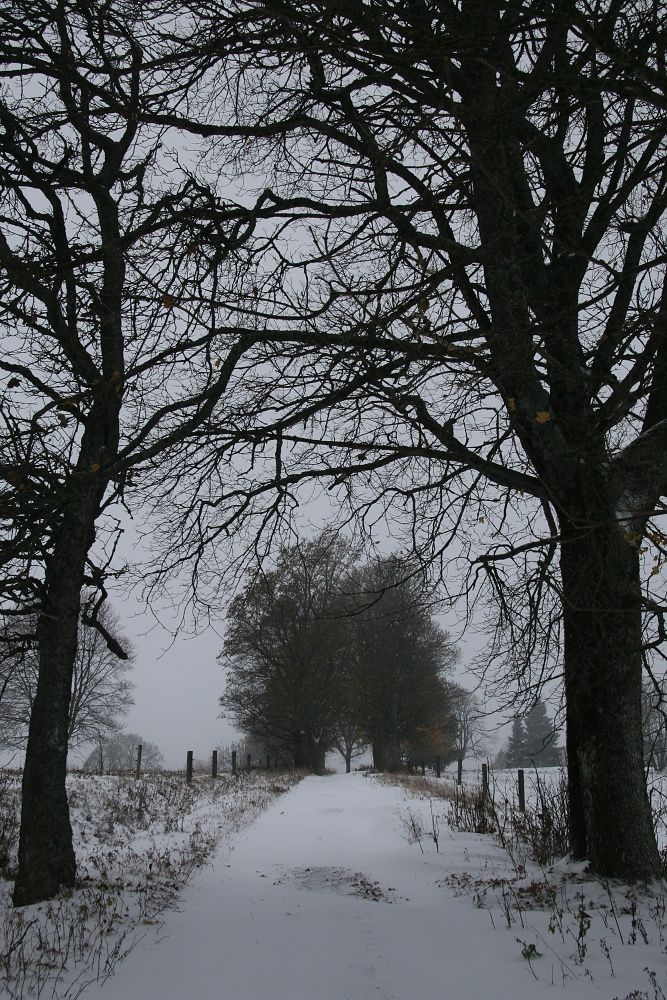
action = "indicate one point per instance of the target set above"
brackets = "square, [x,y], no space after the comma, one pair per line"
[177,686]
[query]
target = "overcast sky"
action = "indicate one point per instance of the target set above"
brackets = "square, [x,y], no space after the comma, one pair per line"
[177,687]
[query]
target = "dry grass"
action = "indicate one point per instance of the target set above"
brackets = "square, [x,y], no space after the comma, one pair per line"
[420,787]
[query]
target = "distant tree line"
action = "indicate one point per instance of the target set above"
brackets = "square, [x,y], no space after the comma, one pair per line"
[328,652]
[119,753]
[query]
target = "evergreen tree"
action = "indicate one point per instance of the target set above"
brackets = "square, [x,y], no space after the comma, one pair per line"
[540,738]
[514,754]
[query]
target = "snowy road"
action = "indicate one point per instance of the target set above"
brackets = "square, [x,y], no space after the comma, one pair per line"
[289,914]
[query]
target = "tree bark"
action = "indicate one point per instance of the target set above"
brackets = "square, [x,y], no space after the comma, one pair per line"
[610,812]
[300,751]
[386,754]
[309,753]
[46,854]
[319,757]
[46,860]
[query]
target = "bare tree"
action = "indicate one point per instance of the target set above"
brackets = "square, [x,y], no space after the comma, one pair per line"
[119,753]
[286,647]
[654,721]
[117,264]
[468,720]
[101,689]
[350,742]
[489,185]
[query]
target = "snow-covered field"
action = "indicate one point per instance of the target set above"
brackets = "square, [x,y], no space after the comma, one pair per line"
[137,844]
[348,887]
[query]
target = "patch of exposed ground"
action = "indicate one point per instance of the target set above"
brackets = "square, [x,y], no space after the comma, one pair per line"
[338,880]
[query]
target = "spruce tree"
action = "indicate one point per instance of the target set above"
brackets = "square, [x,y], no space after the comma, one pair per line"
[515,750]
[540,738]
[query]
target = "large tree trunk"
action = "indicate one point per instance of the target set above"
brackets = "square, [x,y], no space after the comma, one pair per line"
[300,751]
[309,753]
[577,823]
[611,816]
[386,754]
[319,757]
[46,854]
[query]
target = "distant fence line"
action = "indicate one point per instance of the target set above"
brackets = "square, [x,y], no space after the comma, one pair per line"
[273,762]
[267,762]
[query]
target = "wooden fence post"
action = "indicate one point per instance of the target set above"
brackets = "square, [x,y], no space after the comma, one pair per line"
[233,761]
[188,767]
[247,761]
[137,770]
[522,791]
[459,771]
[423,769]
[485,781]
[214,764]
[268,761]
[438,768]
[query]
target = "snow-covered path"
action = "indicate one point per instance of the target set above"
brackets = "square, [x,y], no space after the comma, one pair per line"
[249,929]
[285,915]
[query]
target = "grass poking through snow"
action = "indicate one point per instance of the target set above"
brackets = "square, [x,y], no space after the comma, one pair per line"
[567,924]
[137,844]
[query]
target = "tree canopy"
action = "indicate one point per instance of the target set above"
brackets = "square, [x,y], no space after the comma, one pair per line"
[321,643]
[412,250]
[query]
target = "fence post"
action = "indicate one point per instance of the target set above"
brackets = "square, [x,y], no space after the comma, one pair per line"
[247,761]
[233,761]
[214,764]
[485,781]
[268,761]
[188,767]
[137,770]
[438,768]
[459,771]
[522,791]
[423,769]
